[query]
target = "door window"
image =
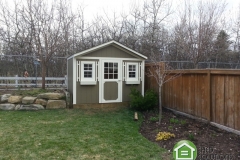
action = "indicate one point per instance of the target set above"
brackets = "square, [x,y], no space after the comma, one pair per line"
[110,70]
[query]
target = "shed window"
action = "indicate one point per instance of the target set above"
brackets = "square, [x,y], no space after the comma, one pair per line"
[88,68]
[132,71]
[88,76]
[132,76]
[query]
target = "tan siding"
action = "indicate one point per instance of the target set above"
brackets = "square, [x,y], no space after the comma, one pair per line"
[70,75]
[110,51]
[87,93]
[127,90]
[111,90]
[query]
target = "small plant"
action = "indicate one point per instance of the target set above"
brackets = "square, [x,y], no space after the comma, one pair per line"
[164,136]
[183,122]
[191,136]
[213,134]
[153,119]
[174,121]
[170,127]
[157,130]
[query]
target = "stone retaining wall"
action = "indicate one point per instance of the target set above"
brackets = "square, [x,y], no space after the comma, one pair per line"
[40,102]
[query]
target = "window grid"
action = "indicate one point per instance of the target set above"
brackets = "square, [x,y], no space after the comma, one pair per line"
[87,70]
[110,70]
[132,71]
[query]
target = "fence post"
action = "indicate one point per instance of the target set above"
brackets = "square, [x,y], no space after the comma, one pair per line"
[65,80]
[16,81]
[209,95]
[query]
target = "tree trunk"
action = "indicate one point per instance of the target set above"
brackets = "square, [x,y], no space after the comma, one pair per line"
[43,74]
[160,103]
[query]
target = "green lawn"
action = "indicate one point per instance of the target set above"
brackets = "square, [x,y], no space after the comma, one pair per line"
[73,134]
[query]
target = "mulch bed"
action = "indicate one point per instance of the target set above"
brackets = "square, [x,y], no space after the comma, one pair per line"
[211,142]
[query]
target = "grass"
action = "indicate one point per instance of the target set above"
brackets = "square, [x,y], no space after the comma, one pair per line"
[73,134]
[31,92]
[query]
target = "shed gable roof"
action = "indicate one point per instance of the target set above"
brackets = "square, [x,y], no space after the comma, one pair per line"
[105,45]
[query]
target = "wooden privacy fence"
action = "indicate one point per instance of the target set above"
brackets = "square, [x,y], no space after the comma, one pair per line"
[211,94]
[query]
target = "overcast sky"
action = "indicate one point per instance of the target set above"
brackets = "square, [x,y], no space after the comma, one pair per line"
[94,7]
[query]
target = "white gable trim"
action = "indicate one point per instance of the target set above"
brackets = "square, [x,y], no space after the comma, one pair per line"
[104,45]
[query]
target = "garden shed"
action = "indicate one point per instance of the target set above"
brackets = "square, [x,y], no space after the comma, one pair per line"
[105,74]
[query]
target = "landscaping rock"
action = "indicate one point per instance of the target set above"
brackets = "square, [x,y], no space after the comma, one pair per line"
[52,104]
[68,99]
[7,106]
[43,102]
[15,99]
[51,96]
[4,98]
[28,100]
[29,107]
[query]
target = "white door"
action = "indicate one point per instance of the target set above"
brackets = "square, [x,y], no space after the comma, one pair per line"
[110,89]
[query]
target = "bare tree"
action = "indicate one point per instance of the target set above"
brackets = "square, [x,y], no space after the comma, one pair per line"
[37,29]
[156,38]
[162,72]
[197,29]
[236,37]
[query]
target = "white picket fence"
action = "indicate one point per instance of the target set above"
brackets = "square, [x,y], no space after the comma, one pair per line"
[17,82]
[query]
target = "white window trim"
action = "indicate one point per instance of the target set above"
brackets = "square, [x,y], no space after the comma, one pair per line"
[88,81]
[130,80]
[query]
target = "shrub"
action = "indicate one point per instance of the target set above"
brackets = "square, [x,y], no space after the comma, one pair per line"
[150,99]
[140,103]
[164,136]
[136,99]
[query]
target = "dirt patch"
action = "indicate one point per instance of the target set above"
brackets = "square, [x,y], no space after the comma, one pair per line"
[209,140]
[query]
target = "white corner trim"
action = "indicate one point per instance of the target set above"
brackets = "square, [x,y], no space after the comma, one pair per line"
[74,81]
[143,76]
[100,80]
